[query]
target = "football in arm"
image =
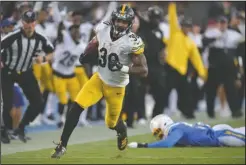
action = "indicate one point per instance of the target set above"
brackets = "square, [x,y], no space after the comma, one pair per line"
[92,48]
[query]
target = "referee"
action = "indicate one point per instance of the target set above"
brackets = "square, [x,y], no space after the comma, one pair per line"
[18,51]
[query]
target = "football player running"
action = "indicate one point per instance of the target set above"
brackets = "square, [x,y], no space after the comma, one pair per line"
[170,134]
[66,54]
[120,53]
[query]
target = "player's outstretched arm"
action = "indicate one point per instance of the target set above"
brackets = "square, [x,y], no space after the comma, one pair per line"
[170,141]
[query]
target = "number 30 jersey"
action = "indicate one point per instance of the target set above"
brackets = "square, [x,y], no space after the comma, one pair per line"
[66,56]
[120,49]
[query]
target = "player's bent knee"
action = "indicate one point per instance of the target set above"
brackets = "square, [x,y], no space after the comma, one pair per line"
[84,106]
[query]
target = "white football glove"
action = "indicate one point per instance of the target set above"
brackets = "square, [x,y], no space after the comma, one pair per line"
[137,145]
[133,145]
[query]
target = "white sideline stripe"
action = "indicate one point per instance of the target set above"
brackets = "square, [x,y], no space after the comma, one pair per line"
[140,157]
[30,148]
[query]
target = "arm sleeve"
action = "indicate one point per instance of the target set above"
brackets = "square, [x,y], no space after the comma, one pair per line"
[173,19]
[6,41]
[170,141]
[48,46]
[137,44]
[197,62]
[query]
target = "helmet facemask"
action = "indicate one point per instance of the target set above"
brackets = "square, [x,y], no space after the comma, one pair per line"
[159,126]
[119,19]
[119,31]
[158,133]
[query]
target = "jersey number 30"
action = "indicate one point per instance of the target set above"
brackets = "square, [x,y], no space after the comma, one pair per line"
[68,59]
[103,58]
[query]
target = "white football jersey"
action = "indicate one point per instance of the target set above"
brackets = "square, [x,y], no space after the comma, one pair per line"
[122,49]
[66,55]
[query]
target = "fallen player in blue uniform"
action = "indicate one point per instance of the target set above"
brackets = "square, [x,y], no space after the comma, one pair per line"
[170,134]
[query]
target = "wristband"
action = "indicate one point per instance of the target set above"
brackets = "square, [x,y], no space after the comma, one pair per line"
[125,69]
[142,145]
[44,59]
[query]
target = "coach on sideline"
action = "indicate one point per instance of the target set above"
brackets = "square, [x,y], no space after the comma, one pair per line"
[180,48]
[18,51]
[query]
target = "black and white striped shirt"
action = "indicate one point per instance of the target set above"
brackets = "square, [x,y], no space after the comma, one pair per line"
[17,51]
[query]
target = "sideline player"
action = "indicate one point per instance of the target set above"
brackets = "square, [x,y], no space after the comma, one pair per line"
[120,53]
[170,134]
[66,54]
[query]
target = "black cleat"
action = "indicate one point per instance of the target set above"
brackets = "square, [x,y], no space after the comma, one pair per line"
[59,151]
[21,134]
[4,136]
[122,138]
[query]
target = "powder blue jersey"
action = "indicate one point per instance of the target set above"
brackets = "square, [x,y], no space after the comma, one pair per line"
[184,134]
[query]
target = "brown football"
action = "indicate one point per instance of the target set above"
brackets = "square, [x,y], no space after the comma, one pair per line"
[92,48]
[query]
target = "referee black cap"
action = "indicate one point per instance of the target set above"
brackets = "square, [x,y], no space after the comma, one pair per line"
[29,16]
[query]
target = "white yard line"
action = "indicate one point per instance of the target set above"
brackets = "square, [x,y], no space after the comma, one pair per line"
[43,140]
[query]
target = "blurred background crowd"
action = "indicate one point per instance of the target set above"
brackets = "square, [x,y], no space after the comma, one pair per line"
[208,22]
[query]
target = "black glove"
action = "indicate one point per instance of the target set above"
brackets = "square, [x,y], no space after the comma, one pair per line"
[85,58]
[142,145]
[114,64]
[82,58]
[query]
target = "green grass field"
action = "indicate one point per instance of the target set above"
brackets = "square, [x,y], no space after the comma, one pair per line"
[105,152]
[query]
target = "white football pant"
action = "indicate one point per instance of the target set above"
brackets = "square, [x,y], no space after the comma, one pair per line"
[236,137]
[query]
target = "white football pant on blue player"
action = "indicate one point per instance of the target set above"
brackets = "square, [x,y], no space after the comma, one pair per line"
[170,134]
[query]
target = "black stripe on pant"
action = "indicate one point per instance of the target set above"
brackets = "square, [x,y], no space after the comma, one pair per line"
[29,85]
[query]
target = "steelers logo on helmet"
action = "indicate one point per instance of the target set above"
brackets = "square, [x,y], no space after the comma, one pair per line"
[121,20]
